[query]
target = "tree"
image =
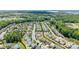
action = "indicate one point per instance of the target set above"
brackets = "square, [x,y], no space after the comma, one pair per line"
[14,36]
[76,34]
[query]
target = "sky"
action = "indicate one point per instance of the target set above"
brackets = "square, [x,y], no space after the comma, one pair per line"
[39,4]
